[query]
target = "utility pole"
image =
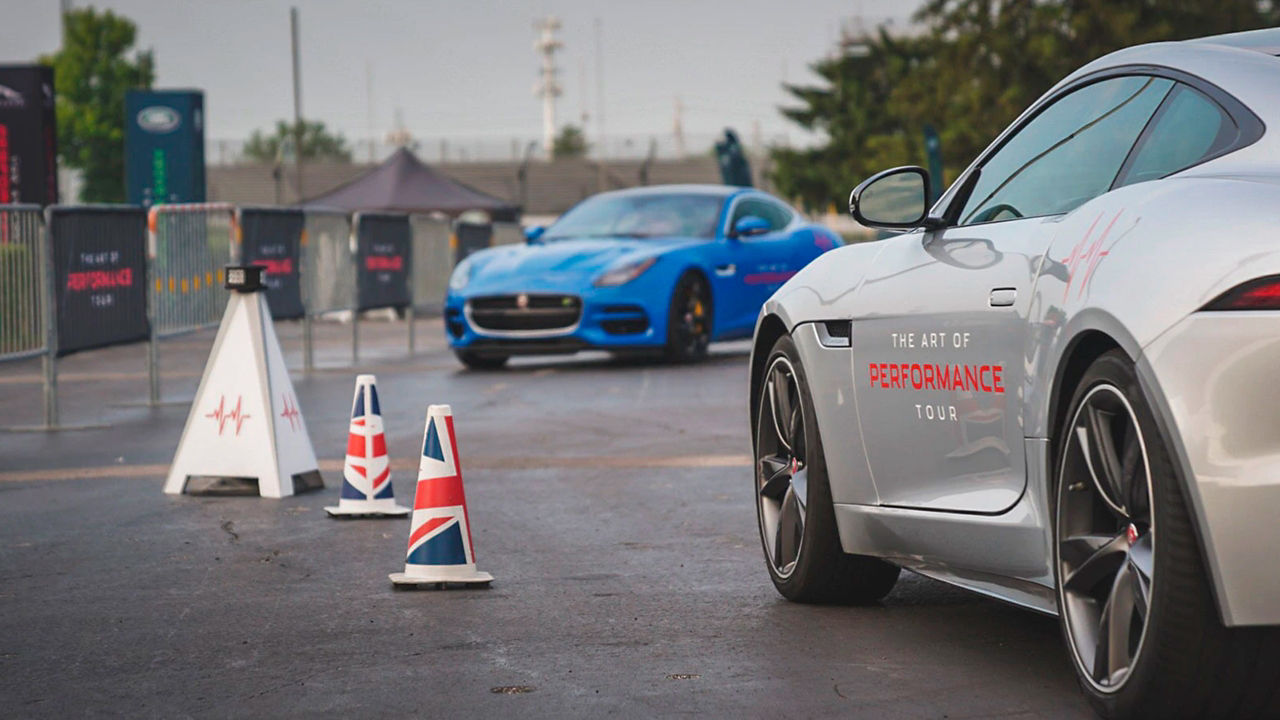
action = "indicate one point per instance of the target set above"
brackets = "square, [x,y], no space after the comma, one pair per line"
[368,87]
[297,104]
[677,129]
[602,150]
[547,87]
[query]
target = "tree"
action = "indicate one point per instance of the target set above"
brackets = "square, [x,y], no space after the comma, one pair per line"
[91,73]
[569,143]
[978,64]
[317,143]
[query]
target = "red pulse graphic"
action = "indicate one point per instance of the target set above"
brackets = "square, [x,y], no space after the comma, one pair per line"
[222,416]
[291,413]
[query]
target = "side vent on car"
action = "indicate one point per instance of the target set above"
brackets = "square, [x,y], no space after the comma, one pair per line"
[835,333]
[1258,294]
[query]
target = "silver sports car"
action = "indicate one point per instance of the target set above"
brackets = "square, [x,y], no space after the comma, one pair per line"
[1060,385]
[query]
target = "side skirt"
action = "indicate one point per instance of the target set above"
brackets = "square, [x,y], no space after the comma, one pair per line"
[1007,556]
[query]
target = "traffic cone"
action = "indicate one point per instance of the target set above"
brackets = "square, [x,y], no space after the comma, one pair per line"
[366,473]
[440,550]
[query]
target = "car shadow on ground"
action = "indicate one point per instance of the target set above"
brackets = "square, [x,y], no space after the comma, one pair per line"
[735,354]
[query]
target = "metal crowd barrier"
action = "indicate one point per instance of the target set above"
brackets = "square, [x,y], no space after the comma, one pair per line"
[27,322]
[85,276]
[507,233]
[23,284]
[384,255]
[187,245]
[328,272]
[432,261]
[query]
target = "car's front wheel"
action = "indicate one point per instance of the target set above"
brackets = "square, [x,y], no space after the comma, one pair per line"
[1136,610]
[689,320]
[793,496]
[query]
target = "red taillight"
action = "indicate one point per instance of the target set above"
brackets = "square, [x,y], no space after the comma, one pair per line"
[1260,294]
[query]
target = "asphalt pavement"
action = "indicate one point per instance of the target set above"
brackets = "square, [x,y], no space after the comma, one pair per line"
[611,501]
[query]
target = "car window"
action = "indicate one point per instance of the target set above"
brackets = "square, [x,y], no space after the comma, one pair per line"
[1068,154]
[1187,129]
[640,216]
[776,215]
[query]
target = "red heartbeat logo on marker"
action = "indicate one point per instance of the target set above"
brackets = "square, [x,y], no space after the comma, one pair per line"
[1087,256]
[291,412]
[223,417]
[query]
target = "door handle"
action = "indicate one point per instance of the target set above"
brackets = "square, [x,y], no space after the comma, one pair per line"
[1003,297]
[726,270]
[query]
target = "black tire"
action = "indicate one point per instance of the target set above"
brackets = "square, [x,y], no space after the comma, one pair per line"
[689,320]
[820,572]
[1182,662]
[481,362]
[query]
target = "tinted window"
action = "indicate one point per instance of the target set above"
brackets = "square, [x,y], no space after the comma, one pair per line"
[1068,154]
[1189,128]
[640,216]
[777,216]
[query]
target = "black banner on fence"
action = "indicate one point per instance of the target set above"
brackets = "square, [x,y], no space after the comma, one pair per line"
[383,248]
[28,135]
[100,275]
[471,237]
[273,237]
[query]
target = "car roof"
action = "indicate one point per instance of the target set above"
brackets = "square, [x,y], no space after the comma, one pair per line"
[1266,40]
[722,191]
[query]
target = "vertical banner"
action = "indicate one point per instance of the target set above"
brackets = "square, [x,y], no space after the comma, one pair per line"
[100,275]
[28,136]
[471,237]
[383,259]
[272,237]
[164,146]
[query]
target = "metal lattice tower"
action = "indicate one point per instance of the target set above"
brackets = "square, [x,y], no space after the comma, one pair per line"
[547,87]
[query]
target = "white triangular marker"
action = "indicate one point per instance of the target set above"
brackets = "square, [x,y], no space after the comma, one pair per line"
[244,423]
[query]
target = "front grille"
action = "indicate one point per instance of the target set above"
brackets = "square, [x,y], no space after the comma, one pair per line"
[504,313]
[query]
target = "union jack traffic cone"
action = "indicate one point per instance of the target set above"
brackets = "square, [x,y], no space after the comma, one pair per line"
[440,549]
[366,473]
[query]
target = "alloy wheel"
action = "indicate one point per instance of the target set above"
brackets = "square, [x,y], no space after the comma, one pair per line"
[781,470]
[1105,537]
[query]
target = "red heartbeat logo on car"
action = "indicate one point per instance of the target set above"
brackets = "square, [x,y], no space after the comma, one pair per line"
[291,413]
[1087,256]
[223,417]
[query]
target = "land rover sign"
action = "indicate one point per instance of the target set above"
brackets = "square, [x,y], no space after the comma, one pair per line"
[164,146]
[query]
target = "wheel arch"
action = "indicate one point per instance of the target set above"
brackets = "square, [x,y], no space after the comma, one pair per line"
[768,330]
[1081,351]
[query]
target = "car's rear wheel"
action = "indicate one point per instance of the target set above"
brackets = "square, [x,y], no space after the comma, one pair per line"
[793,496]
[475,361]
[689,320]
[1136,611]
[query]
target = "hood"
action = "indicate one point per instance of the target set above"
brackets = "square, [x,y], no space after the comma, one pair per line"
[562,263]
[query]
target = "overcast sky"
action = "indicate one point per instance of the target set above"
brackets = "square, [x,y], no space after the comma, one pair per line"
[466,68]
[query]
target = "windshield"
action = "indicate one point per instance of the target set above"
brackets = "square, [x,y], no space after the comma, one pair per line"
[640,216]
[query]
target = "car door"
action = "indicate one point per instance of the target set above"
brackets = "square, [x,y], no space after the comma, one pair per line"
[940,332]
[754,266]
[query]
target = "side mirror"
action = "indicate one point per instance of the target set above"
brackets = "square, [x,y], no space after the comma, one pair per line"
[750,225]
[531,234]
[895,199]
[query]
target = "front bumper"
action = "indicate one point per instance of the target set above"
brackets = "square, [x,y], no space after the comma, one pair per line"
[1216,387]
[609,320]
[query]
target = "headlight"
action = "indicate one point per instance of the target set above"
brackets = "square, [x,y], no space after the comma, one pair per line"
[624,274]
[461,275]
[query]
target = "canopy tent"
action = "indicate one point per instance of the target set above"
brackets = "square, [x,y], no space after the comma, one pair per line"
[403,183]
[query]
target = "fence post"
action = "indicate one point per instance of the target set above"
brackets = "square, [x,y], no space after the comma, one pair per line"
[153,359]
[49,320]
[408,315]
[306,278]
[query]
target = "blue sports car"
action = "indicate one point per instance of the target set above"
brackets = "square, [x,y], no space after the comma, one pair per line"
[663,270]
